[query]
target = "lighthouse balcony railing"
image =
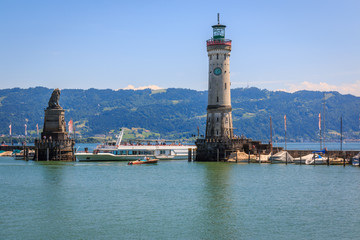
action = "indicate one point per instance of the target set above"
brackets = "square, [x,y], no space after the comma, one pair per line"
[212,42]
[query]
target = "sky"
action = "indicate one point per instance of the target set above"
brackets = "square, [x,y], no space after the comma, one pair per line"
[285,45]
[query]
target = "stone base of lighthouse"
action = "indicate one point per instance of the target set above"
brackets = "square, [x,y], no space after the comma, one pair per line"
[218,149]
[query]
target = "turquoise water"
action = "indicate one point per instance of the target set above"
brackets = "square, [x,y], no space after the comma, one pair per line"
[177,200]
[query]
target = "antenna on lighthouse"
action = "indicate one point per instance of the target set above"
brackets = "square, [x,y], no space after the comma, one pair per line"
[218,18]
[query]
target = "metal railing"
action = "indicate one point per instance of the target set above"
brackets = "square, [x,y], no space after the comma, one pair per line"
[212,42]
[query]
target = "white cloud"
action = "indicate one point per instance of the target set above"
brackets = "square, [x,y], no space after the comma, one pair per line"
[152,87]
[345,88]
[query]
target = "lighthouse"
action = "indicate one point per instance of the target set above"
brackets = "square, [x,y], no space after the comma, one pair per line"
[219,142]
[219,119]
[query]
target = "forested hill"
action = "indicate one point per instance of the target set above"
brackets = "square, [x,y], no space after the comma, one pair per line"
[176,113]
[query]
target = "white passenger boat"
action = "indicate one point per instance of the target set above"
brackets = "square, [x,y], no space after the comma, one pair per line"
[133,150]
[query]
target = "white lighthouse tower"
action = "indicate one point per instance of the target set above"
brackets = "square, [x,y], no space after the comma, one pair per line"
[219,118]
[219,141]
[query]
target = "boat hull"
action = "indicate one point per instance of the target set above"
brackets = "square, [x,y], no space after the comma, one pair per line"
[152,161]
[82,157]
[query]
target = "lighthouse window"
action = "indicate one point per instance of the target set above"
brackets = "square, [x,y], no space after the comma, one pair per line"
[217,99]
[225,85]
[224,56]
[217,56]
[217,132]
[217,119]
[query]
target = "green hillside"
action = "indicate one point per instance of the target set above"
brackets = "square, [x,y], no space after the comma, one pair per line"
[176,113]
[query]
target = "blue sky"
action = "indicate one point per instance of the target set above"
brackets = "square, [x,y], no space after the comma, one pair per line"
[289,45]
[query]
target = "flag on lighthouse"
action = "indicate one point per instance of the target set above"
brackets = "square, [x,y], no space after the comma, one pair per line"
[285,121]
[10,129]
[319,121]
[25,129]
[70,126]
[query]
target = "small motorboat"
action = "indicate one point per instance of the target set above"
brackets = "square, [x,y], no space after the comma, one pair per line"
[143,161]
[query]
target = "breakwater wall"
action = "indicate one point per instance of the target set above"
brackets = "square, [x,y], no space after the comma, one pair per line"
[332,154]
[12,148]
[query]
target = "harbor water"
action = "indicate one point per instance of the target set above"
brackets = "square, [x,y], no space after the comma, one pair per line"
[177,200]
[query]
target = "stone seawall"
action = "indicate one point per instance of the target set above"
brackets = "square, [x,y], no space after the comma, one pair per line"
[331,154]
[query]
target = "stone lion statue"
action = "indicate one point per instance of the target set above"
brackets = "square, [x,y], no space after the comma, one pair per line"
[54,99]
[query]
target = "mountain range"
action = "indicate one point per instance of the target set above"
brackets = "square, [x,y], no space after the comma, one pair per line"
[177,113]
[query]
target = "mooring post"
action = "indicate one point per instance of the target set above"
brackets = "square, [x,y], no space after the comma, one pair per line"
[236,156]
[189,155]
[344,158]
[217,155]
[47,154]
[37,154]
[328,159]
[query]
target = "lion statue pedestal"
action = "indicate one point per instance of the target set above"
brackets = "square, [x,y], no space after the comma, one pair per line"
[55,144]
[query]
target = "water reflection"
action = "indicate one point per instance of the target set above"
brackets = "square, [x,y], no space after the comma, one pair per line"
[54,196]
[218,218]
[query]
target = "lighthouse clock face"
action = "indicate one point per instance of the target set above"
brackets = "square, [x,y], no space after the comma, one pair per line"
[217,71]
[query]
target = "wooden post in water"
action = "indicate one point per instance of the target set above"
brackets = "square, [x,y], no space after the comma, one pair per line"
[59,152]
[217,154]
[189,155]
[37,154]
[47,154]
[328,159]
[236,156]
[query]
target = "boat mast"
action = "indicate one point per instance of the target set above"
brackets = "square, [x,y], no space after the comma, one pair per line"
[324,134]
[341,132]
[271,140]
[118,141]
